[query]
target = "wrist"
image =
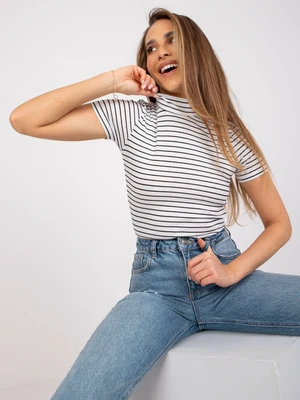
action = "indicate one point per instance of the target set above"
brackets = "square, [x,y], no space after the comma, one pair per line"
[234,272]
[114,86]
[116,82]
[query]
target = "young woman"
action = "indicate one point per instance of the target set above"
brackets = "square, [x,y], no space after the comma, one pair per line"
[188,159]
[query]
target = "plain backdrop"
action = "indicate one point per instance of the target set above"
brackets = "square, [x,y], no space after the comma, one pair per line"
[67,242]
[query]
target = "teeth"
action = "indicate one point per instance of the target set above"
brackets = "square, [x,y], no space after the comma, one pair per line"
[168,66]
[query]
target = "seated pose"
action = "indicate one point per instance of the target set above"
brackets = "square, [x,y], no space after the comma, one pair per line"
[188,160]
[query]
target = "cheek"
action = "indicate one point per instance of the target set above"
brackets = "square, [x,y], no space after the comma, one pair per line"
[152,73]
[149,67]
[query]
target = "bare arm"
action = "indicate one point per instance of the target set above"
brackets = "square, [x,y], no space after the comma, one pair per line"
[61,113]
[52,106]
[206,268]
[275,219]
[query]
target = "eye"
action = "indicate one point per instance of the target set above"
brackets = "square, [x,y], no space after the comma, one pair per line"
[171,40]
[150,49]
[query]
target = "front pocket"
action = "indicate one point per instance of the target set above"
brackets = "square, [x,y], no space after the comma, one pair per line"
[225,249]
[141,262]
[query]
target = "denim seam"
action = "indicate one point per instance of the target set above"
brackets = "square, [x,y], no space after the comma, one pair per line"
[198,314]
[221,241]
[140,260]
[170,249]
[169,346]
[248,323]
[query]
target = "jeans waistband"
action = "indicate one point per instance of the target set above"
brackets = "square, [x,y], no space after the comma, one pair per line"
[154,245]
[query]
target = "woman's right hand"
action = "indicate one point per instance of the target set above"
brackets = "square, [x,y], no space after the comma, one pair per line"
[133,80]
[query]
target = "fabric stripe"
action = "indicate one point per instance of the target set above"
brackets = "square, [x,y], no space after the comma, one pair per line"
[176,185]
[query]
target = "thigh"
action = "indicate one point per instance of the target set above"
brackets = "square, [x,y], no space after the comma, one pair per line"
[126,344]
[262,302]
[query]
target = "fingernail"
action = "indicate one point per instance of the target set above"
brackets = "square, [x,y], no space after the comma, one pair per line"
[189,278]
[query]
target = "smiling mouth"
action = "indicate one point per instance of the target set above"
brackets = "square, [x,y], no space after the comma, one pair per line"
[168,68]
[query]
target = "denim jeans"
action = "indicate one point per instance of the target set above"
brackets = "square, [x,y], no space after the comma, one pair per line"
[164,307]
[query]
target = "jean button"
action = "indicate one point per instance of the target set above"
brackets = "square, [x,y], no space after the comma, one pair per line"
[186,241]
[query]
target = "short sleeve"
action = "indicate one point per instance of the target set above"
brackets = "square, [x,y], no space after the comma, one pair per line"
[249,160]
[118,118]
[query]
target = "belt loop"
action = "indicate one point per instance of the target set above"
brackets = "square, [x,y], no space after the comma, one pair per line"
[153,248]
[207,244]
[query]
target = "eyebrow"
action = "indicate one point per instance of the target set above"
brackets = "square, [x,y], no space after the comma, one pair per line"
[166,36]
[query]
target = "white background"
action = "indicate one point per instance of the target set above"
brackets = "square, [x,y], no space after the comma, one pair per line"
[66,236]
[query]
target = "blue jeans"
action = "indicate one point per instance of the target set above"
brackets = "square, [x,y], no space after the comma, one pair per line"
[164,307]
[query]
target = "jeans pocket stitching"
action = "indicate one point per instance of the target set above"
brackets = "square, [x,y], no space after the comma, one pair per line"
[139,258]
[228,257]
[233,252]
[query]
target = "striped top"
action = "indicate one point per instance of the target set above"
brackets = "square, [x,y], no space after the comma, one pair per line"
[174,185]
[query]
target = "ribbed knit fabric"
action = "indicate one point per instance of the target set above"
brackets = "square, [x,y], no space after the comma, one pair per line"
[174,185]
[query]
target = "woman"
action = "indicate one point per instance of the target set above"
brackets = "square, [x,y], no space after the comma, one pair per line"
[185,152]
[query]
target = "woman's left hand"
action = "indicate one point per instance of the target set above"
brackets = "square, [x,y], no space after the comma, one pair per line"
[206,268]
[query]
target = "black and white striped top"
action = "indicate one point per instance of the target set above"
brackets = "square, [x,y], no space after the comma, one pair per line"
[174,185]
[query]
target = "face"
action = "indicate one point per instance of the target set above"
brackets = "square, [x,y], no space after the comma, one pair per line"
[162,62]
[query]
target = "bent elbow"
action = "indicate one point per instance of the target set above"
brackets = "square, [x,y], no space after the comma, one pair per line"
[289,231]
[286,230]
[14,122]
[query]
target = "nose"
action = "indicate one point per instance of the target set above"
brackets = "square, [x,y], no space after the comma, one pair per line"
[163,55]
[163,52]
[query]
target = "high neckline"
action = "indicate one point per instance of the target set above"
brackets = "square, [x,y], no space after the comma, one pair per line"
[179,105]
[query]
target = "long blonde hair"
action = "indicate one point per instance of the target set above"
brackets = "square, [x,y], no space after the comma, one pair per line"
[207,91]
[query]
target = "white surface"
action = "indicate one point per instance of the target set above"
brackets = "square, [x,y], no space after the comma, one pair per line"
[65,229]
[226,365]
[233,366]
[35,391]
